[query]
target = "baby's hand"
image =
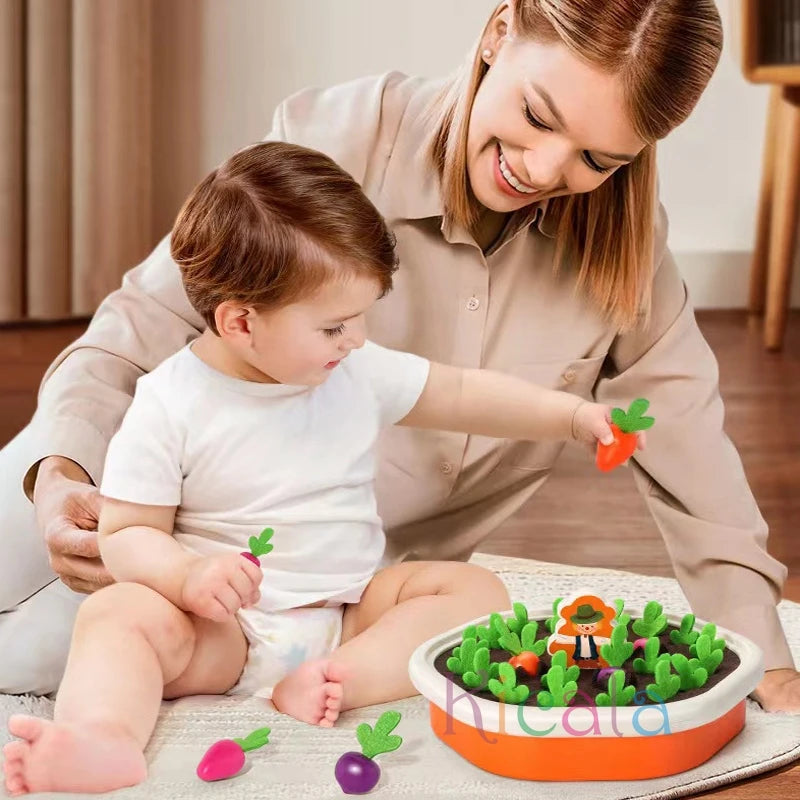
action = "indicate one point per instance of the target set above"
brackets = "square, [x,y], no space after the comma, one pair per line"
[218,586]
[592,424]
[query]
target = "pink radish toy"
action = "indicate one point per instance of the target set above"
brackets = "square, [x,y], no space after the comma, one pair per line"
[225,758]
[259,546]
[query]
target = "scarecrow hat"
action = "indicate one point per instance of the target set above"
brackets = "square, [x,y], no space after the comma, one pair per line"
[586,615]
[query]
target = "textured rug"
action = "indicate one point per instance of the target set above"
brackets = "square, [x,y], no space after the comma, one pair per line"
[299,761]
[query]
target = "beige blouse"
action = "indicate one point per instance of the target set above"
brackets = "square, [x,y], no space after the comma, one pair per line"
[440,494]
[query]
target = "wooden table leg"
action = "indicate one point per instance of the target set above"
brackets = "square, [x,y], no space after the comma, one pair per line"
[758,269]
[785,206]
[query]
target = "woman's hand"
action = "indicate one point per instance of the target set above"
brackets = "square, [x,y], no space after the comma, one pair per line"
[592,424]
[67,508]
[779,690]
[216,587]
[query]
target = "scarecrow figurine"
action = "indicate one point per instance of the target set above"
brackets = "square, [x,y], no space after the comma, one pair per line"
[584,623]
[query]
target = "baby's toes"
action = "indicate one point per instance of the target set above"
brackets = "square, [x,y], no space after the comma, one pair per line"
[334,689]
[14,757]
[333,703]
[333,694]
[14,751]
[16,786]
[14,767]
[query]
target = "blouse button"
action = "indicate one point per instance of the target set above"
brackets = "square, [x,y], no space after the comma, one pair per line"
[473,304]
[446,467]
[569,375]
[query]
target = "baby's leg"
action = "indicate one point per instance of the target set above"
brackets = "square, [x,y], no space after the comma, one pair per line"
[130,647]
[402,606]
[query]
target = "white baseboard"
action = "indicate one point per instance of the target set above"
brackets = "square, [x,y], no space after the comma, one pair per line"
[720,279]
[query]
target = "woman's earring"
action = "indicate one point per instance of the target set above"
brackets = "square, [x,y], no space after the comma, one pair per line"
[487,54]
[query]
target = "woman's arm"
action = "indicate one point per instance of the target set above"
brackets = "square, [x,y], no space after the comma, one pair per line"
[492,404]
[87,389]
[136,545]
[691,476]
[83,397]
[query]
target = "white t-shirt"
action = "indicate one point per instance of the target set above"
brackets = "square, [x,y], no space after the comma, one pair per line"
[237,456]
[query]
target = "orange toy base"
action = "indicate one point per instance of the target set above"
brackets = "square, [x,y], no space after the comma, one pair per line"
[589,758]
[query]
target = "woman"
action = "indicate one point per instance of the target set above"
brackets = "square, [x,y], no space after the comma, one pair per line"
[522,195]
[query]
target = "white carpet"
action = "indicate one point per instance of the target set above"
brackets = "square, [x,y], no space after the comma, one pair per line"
[299,761]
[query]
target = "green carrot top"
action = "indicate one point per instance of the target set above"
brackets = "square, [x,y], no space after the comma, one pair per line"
[380,740]
[633,420]
[254,740]
[259,545]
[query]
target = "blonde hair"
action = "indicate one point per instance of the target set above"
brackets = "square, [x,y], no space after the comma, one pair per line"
[665,52]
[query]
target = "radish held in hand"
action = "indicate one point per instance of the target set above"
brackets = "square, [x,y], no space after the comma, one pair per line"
[225,758]
[259,546]
[357,773]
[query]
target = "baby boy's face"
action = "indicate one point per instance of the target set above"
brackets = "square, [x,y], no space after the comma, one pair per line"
[302,343]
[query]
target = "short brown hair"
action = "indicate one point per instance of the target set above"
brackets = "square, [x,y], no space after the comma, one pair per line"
[273,224]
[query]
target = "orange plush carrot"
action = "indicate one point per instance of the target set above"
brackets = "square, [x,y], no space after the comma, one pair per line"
[624,426]
[527,660]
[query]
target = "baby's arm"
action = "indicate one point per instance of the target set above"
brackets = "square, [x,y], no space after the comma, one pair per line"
[136,545]
[503,406]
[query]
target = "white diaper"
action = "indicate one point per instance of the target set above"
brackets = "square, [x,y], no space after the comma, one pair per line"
[282,640]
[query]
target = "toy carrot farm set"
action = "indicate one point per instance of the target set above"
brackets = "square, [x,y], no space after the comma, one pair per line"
[587,690]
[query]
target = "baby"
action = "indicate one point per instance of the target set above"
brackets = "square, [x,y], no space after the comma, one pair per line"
[268,420]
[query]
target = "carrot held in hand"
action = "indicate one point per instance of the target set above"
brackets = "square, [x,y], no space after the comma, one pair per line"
[624,425]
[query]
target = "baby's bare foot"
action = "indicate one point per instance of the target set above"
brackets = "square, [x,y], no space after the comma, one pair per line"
[60,757]
[312,693]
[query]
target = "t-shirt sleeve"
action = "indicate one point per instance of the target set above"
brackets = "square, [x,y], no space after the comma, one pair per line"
[143,462]
[397,379]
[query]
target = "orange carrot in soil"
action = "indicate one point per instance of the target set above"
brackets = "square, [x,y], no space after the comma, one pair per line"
[527,660]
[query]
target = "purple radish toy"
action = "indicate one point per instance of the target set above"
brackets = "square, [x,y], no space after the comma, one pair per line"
[602,677]
[225,758]
[357,773]
[259,546]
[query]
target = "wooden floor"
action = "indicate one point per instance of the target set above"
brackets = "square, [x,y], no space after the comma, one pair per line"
[604,522]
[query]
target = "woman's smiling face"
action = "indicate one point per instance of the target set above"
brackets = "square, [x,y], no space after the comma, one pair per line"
[544,124]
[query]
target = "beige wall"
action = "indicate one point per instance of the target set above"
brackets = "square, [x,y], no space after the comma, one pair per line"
[256,52]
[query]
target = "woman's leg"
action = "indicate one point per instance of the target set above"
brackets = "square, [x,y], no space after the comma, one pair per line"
[130,647]
[24,565]
[38,611]
[35,638]
[403,606]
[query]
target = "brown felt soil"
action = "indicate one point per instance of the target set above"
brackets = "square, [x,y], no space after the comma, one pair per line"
[586,682]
